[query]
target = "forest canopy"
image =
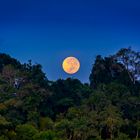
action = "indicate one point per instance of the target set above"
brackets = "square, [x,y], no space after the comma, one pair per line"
[108,108]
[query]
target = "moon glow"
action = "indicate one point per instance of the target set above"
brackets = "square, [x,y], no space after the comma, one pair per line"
[71,65]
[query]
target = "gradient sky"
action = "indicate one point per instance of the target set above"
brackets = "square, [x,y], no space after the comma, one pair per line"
[47,31]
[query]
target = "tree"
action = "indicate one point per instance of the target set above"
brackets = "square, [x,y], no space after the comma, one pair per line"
[3,138]
[9,73]
[11,134]
[131,60]
[111,118]
[25,132]
[68,109]
[33,118]
[122,136]
[46,123]
[46,135]
[106,70]
[66,94]
[99,72]
[6,59]
[123,67]
[97,101]
[4,125]
[64,128]
[138,129]
[35,74]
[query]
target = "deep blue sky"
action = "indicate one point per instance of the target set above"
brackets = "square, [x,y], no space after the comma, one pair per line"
[47,31]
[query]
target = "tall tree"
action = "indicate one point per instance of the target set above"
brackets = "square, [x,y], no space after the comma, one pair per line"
[131,60]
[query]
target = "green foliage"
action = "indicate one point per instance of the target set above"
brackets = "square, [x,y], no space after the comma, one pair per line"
[3,138]
[46,123]
[25,132]
[4,125]
[46,135]
[108,108]
[122,137]
[11,134]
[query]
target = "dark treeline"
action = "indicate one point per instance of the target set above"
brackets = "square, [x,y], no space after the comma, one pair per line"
[108,108]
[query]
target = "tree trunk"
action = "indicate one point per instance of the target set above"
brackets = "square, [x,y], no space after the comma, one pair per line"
[111,136]
[137,135]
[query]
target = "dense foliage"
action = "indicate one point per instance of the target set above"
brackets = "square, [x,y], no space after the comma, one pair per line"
[34,108]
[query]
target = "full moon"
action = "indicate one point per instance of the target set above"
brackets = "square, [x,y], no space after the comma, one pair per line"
[71,65]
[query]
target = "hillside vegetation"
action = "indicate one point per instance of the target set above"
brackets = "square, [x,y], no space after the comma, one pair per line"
[108,108]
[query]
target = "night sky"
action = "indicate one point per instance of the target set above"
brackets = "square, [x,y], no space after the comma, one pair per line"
[47,31]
